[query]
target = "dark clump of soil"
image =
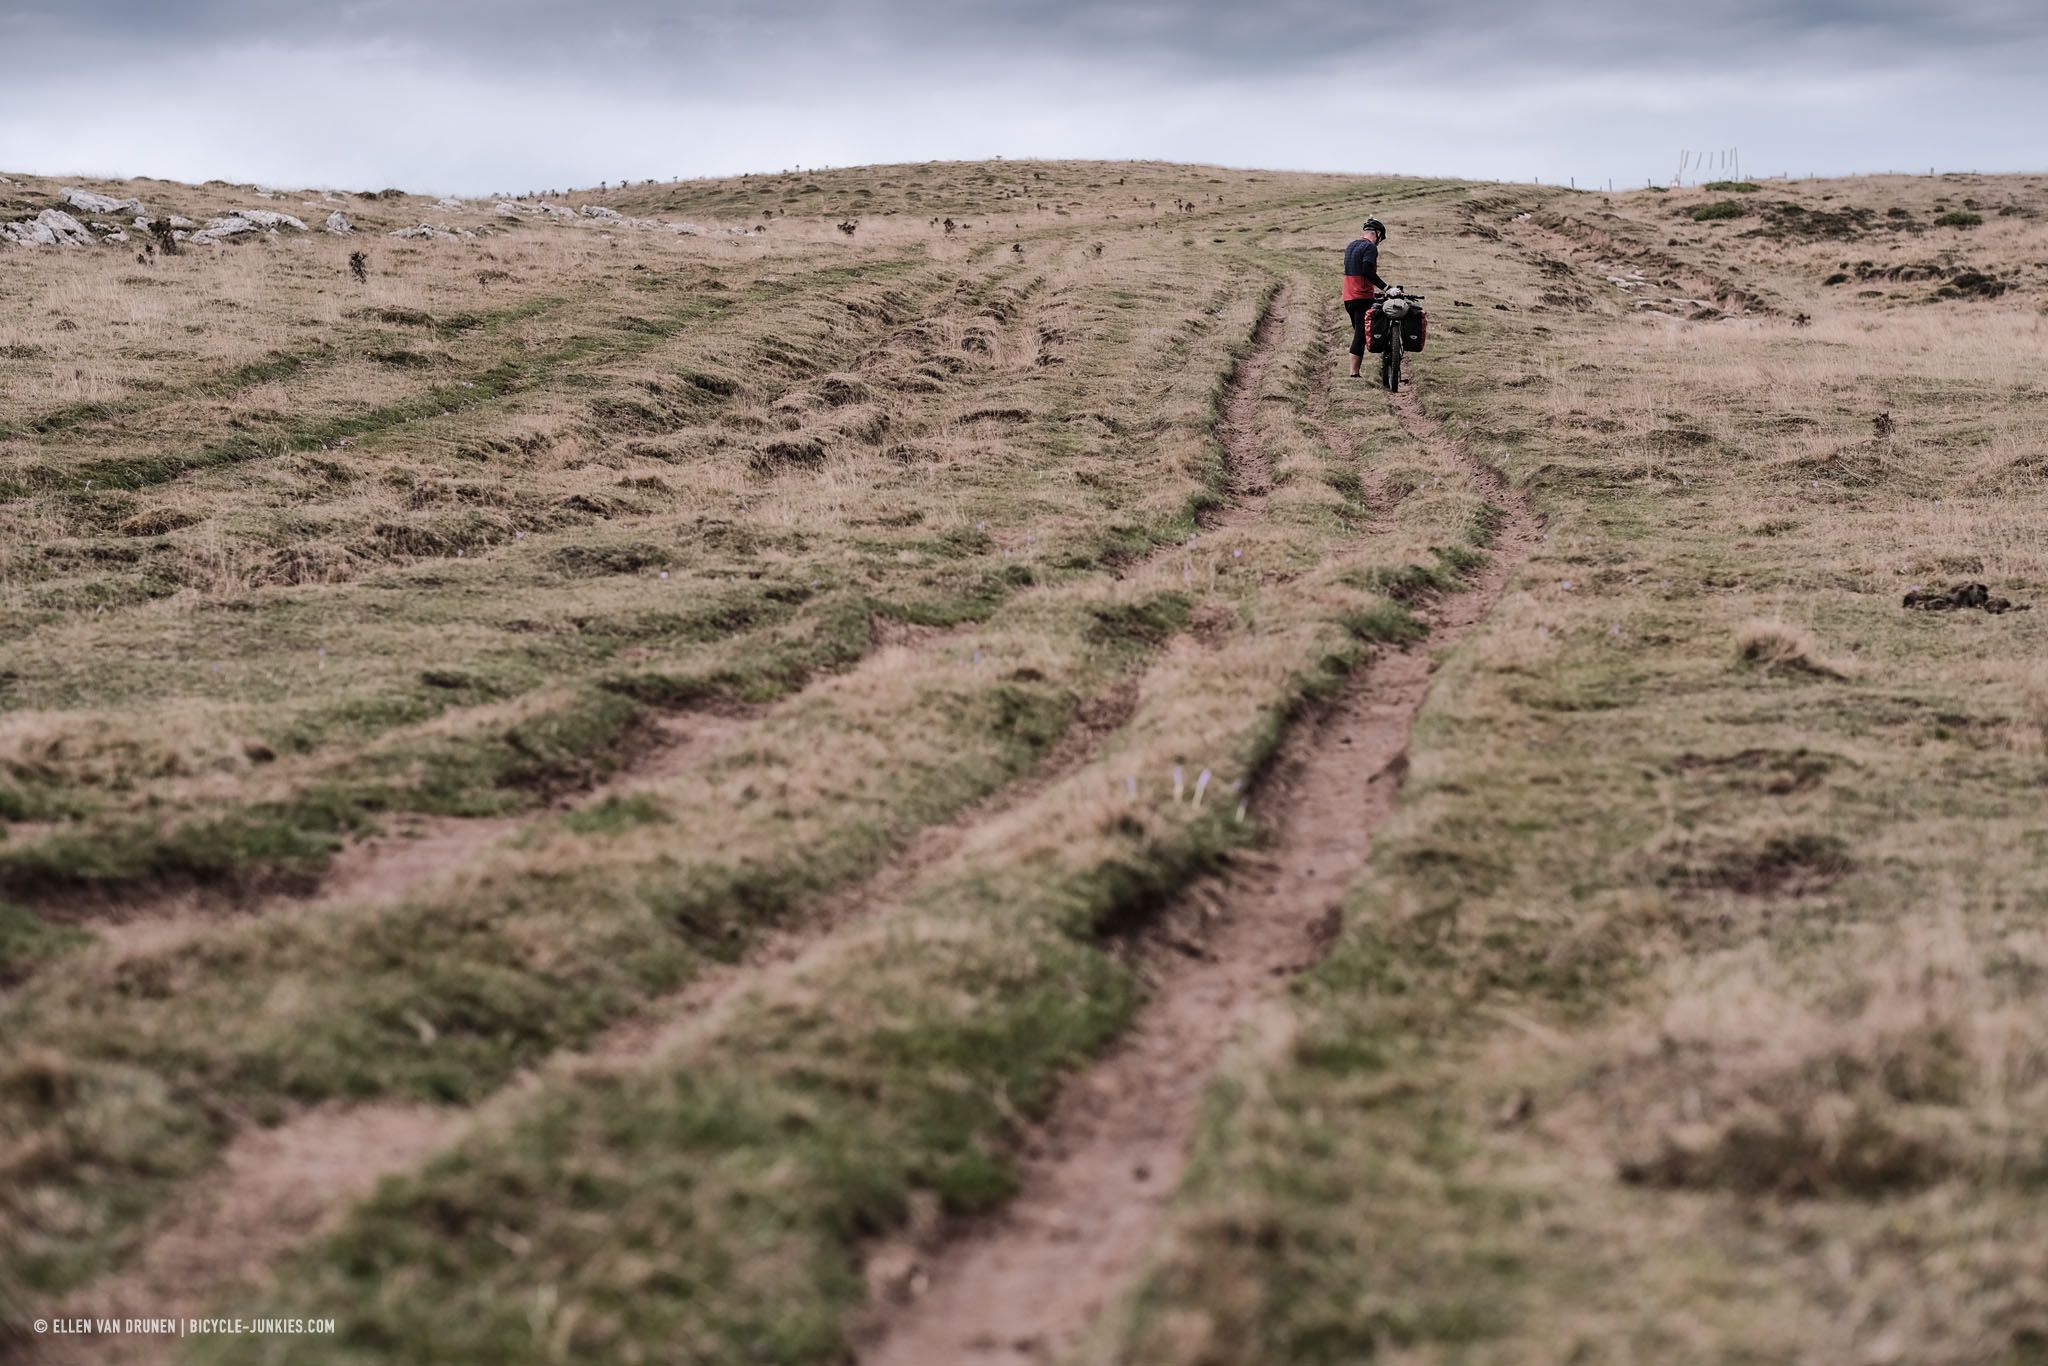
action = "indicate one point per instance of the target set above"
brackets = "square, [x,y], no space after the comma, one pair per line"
[788,453]
[1973,284]
[1956,281]
[1960,597]
[1787,221]
[1799,864]
[1794,1146]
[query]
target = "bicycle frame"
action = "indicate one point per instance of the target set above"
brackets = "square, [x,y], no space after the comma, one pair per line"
[1393,307]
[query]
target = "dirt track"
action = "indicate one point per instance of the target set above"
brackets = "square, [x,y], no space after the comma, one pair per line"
[1026,1285]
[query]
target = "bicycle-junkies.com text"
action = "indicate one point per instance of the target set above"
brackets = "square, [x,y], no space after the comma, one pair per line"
[170,1326]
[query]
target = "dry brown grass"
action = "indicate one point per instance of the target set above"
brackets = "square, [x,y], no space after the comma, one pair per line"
[1689,1014]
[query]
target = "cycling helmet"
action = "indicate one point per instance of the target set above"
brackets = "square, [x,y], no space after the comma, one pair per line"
[1374,225]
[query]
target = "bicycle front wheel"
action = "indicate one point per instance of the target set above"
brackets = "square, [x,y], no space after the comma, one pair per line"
[1390,362]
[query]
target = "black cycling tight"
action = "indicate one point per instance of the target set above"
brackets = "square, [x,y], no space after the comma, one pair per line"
[1360,310]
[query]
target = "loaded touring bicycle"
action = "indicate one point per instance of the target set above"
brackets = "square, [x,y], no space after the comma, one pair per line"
[1398,326]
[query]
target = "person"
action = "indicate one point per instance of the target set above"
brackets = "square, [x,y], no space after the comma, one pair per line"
[1361,278]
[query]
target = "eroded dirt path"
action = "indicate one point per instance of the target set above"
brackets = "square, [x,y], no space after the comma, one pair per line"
[1025,1286]
[1248,469]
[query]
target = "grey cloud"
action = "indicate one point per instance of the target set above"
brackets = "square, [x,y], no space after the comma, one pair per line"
[1471,86]
[1191,38]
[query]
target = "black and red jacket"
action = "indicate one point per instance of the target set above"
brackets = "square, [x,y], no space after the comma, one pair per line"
[1362,268]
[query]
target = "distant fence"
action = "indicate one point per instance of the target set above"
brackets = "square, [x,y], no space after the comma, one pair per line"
[1693,179]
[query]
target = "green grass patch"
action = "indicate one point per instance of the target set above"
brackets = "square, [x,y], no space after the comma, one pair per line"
[1716,212]
[27,942]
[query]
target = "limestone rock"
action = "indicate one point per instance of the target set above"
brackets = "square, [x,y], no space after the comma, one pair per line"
[438,231]
[245,221]
[87,202]
[512,208]
[50,228]
[220,229]
[338,224]
[271,218]
[604,214]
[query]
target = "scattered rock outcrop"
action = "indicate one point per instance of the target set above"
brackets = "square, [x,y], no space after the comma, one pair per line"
[270,218]
[438,231]
[50,228]
[338,224]
[221,229]
[509,208]
[85,201]
[245,221]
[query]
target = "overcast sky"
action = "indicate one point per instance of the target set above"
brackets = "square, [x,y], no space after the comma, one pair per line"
[471,96]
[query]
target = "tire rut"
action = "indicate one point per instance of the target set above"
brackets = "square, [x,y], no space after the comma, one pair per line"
[416,852]
[420,849]
[1248,471]
[698,1010]
[1027,1284]
[276,1189]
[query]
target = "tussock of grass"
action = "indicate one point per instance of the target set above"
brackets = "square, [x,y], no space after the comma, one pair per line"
[1917,1066]
[1776,647]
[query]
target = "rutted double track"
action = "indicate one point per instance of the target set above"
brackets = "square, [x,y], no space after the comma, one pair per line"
[1027,1284]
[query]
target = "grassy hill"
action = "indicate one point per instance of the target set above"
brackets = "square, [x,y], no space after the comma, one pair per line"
[574,794]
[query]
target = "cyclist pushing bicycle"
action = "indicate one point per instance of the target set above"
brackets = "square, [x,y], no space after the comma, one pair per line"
[1361,278]
[1388,323]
